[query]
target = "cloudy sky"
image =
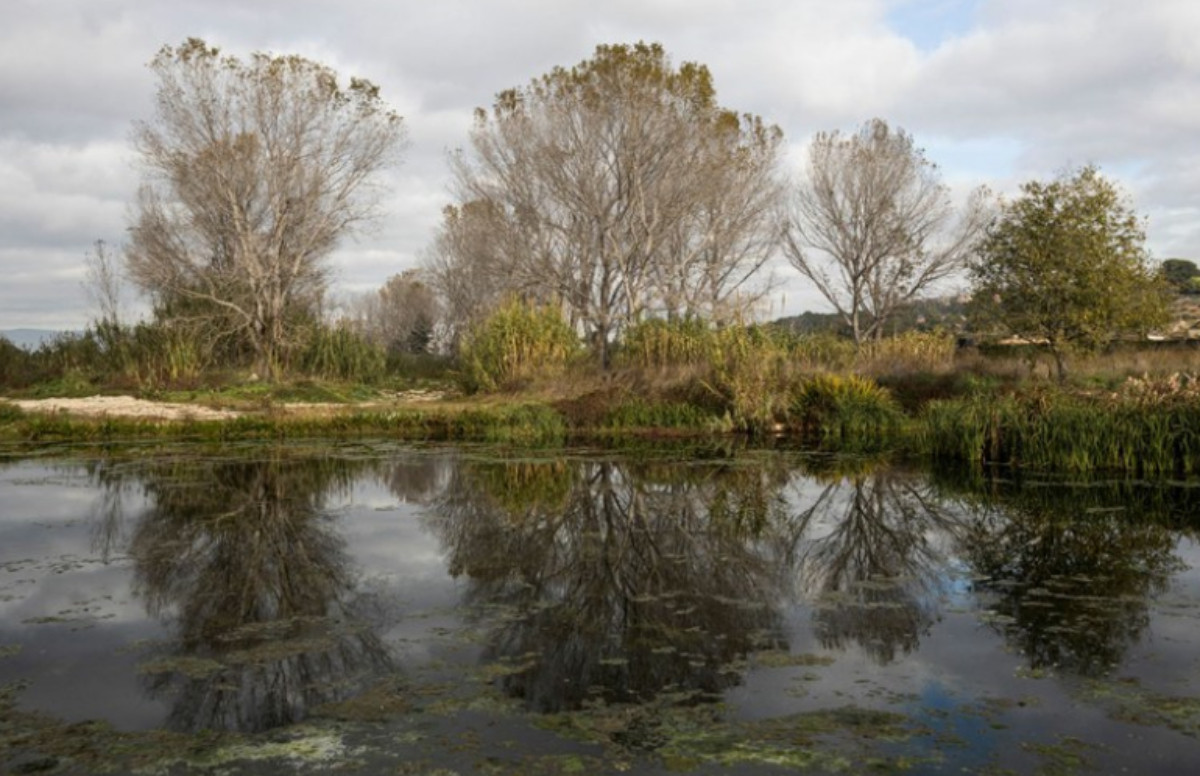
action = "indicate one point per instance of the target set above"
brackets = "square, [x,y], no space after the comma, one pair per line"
[996,91]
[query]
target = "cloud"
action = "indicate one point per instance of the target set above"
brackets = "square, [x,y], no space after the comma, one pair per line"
[997,91]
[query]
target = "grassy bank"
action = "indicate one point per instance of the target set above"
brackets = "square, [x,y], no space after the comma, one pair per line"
[1131,410]
[517,422]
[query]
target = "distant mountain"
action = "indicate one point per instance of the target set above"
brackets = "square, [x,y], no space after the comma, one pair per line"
[30,339]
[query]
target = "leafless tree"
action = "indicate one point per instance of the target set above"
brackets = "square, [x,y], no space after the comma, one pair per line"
[103,284]
[873,226]
[401,315]
[254,171]
[468,266]
[620,189]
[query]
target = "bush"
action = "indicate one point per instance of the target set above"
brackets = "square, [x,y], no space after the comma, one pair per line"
[515,345]
[10,413]
[849,412]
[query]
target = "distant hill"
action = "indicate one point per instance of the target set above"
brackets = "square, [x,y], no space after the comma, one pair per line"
[946,313]
[30,339]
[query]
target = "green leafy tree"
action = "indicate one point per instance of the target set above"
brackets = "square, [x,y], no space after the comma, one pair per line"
[1065,264]
[1183,275]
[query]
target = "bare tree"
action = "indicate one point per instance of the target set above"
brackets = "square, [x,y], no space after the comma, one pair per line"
[873,226]
[610,185]
[254,171]
[467,265]
[103,284]
[401,315]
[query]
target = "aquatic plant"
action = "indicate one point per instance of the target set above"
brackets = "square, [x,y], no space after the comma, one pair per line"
[642,414]
[1062,431]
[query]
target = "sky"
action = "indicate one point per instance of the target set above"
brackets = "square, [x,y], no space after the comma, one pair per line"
[997,92]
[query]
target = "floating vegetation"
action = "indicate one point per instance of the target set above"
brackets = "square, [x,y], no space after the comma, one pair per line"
[1128,701]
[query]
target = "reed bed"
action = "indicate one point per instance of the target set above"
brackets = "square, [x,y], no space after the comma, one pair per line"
[642,415]
[1121,432]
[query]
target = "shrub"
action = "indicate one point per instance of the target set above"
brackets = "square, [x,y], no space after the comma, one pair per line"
[850,412]
[10,413]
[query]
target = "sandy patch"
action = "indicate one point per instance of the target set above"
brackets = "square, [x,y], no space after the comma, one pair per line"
[129,407]
[123,406]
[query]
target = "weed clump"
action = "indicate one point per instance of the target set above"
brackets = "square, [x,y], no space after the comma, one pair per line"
[846,411]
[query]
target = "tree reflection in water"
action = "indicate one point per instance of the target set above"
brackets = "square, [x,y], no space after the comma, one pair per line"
[618,581]
[613,581]
[1069,571]
[245,563]
[872,557]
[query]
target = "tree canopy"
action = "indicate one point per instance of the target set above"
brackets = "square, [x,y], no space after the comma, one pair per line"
[617,188]
[254,170]
[1182,274]
[873,226]
[1065,263]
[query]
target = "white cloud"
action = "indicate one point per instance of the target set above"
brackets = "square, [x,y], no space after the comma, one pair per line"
[998,91]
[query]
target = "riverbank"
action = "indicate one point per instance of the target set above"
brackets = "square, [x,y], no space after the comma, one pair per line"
[1143,427]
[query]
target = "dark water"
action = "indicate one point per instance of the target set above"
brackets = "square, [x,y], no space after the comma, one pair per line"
[472,610]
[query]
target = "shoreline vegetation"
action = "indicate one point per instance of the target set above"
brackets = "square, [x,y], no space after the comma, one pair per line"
[1134,410]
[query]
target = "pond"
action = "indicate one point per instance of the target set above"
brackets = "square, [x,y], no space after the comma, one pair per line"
[374,608]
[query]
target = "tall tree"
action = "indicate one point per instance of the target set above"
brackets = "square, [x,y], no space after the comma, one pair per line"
[873,226]
[254,171]
[619,188]
[467,265]
[1066,264]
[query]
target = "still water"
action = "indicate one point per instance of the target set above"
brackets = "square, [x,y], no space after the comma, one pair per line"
[473,610]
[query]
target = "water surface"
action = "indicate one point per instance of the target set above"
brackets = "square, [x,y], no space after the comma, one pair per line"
[480,610]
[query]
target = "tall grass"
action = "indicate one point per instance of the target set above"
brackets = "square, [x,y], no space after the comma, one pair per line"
[640,414]
[753,372]
[747,368]
[341,353]
[1056,430]
[656,343]
[526,424]
[515,345]
[909,352]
